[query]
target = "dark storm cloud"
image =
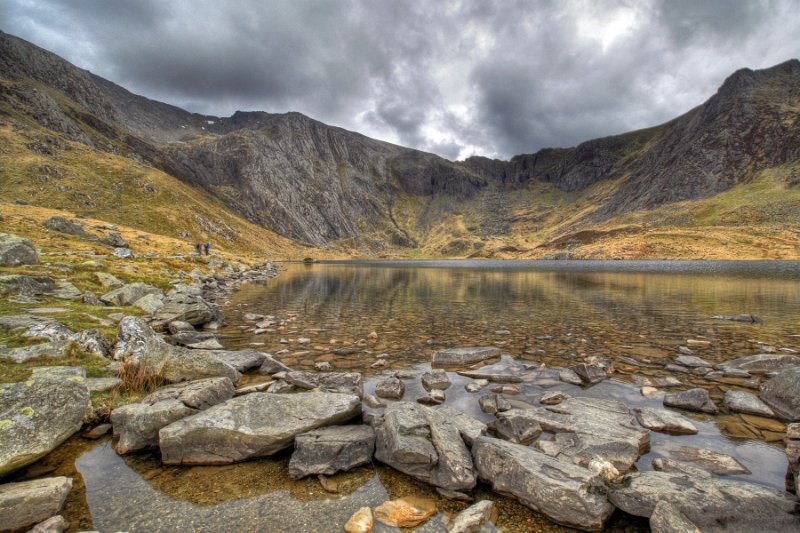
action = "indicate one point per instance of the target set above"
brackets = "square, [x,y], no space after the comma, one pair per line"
[456,78]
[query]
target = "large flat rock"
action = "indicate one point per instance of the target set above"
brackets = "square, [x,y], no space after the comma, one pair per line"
[327,451]
[27,503]
[567,494]
[37,415]
[344,382]
[453,357]
[782,393]
[665,421]
[760,363]
[253,425]
[710,504]
[744,402]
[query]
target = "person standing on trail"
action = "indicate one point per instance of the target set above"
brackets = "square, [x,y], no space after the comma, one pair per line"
[197,249]
[206,246]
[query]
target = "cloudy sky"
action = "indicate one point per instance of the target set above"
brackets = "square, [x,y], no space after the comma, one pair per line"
[457,78]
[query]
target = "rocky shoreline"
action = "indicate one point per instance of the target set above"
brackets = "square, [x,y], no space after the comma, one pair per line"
[567,456]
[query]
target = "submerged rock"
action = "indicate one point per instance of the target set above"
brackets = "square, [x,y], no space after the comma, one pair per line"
[566,493]
[463,356]
[760,363]
[27,503]
[331,450]
[251,426]
[715,462]
[344,382]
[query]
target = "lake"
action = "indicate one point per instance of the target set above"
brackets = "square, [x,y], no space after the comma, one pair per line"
[352,315]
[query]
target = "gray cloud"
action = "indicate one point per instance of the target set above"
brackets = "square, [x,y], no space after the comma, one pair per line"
[455,78]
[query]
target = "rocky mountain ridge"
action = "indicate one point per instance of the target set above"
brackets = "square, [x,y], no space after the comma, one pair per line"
[323,186]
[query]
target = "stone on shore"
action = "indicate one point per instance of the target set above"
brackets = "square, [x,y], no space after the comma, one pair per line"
[665,421]
[515,426]
[54,524]
[692,361]
[150,303]
[472,519]
[463,356]
[251,426]
[241,360]
[186,303]
[407,512]
[15,251]
[760,363]
[470,428]
[435,379]
[27,503]
[710,504]
[667,518]
[715,462]
[128,294]
[692,400]
[138,424]
[425,444]
[744,402]
[493,403]
[37,415]
[390,388]
[272,365]
[343,382]
[590,374]
[566,493]
[360,522]
[331,450]
[782,393]
[149,353]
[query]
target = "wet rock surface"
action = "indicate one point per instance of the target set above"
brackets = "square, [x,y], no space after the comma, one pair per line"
[744,402]
[27,503]
[696,399]
[454,357]
[665,421]
[330,450]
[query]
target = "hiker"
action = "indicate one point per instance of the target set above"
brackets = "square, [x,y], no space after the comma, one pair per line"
[197,249]
[206,246]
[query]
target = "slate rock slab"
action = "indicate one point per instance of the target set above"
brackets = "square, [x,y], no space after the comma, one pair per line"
[464,356]
[330,450]
[692,400]
[254,425]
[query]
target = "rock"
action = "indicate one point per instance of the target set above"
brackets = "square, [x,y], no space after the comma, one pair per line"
[604,469]
[12,322]
[567,375]
[669,367]
[114,239]
[54,524]
[496,376]
[710,504]
[471,519]
[186,305]
[150,303]
[469,427]
[760,363]
[23,354]
[373,401]
[693,400]
[750,319]
[176,327]
[566,493]
[108,280]
[97,431]
[331,450]
[344,382]
[390,388]
[27,503]
[241,360]
[147,352]
[744,402]
[668,381]
[463,356]
[424,444]
[62,225]
[323,366]
[360,522]
[26,285]
[138,424]
[251,426]
[667,518]
[123,253]
[493,403]
[90,340]
[691,361]
[434,397]
[782,393]
[272,366]
[102,384]
[715,462]
[553,398]
[15,251]
[37,415]
[90,298]
[407,512]
[515,426]
[649,391]
[129,294]
[665,421]
[590,428]
[476,385]
[454,495]
[65,290]
[435,379]
[678,467]
[590,374]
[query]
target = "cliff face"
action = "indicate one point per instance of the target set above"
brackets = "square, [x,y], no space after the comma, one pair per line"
[319,184]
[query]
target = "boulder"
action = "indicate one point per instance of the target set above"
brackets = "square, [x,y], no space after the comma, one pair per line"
[391,388]
[344,382]
[590,374]
[744,402]
[90,340]
[330,450]
[760,363]
[128,294]
[114,239]
[150,303]
[251,426]
[710,504]
[108,280]
[26,285]
[692,400]
[567,375]
[272,365]
[15,251]
[472,519]
[123,253]
[493,403]
[421,442]
[186,303]
[714,462]
[665,421]
[463,356]
[241,360]
[566,493]
[435,379]
[62,225]
[147,352]
[782,393]
[27,503]
[515,426]
[586,429]
[37,415]
[138,424]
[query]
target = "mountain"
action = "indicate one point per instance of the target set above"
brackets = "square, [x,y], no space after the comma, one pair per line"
[327,187]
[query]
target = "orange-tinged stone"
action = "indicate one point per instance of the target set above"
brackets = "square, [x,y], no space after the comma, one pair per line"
[360,522]
[410,511]
[764,423]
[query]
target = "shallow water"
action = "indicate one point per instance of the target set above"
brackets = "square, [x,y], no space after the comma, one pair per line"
[555,314]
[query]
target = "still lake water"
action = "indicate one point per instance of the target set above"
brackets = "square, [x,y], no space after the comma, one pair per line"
[634,315]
